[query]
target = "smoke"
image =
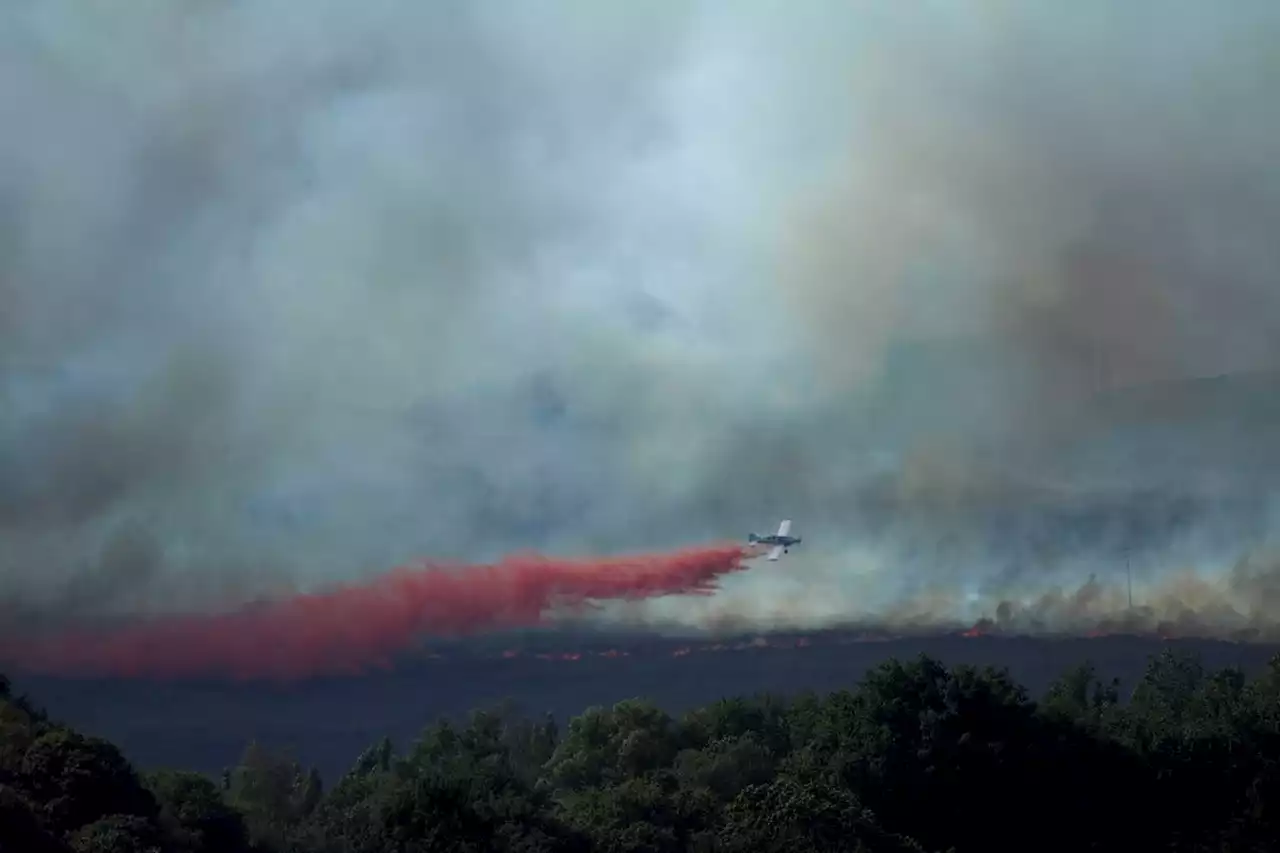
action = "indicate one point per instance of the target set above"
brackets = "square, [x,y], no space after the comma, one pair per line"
[348,629]
[284,301]
[1236,602]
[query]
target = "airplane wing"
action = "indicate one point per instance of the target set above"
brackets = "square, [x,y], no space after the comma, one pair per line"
[774,553]
[784,528]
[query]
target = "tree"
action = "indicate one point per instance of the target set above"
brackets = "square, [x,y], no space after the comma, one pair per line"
[17,731]
[435,814]
[764,717]
[1081,697]
[918,756]
[274,793]
[22,829]
[1189,726]
[640,814]
[727,765]
[78,779]
[195,814]
[789,816]
[118,834]
[610,746]
[472,787]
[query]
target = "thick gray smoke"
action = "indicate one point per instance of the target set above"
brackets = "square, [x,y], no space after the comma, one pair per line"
[286,298]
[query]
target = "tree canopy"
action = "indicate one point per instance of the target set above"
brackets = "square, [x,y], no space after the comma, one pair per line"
[917,757]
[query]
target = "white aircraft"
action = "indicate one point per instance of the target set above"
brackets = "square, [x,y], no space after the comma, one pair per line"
[781,541]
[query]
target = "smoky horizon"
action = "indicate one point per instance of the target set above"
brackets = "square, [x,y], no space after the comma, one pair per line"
[984,296]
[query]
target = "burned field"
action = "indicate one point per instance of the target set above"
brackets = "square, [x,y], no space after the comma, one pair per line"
[205,724]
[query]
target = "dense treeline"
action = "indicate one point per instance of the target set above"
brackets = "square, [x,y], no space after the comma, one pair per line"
[918,757]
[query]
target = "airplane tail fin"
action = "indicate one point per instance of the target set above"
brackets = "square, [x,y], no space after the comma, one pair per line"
[752,538]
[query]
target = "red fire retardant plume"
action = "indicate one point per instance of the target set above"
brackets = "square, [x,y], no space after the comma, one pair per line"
[351,628]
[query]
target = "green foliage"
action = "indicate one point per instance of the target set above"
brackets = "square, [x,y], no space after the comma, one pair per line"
[919,756]
[274,793]
[604,747]
[726,765]
[78,780]
[118,834]
[22,829]
[767,718]
[790,816]
[196,814]
[1079,696]
[17,731]
[474,787]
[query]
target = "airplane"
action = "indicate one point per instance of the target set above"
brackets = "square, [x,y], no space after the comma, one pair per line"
[781,541]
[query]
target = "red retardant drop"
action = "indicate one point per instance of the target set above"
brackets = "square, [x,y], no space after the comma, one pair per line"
[348,629]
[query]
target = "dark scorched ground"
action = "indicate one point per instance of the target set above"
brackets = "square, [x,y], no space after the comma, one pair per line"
[327,722]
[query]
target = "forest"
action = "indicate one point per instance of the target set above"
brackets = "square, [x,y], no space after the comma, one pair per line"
[918,756]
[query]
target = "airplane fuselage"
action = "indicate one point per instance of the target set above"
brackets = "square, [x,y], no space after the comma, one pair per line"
[781,541]
[774,539]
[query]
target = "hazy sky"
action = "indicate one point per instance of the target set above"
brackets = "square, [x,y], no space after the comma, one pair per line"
[287,298]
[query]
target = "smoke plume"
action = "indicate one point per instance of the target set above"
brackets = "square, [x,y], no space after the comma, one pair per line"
[981,294]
